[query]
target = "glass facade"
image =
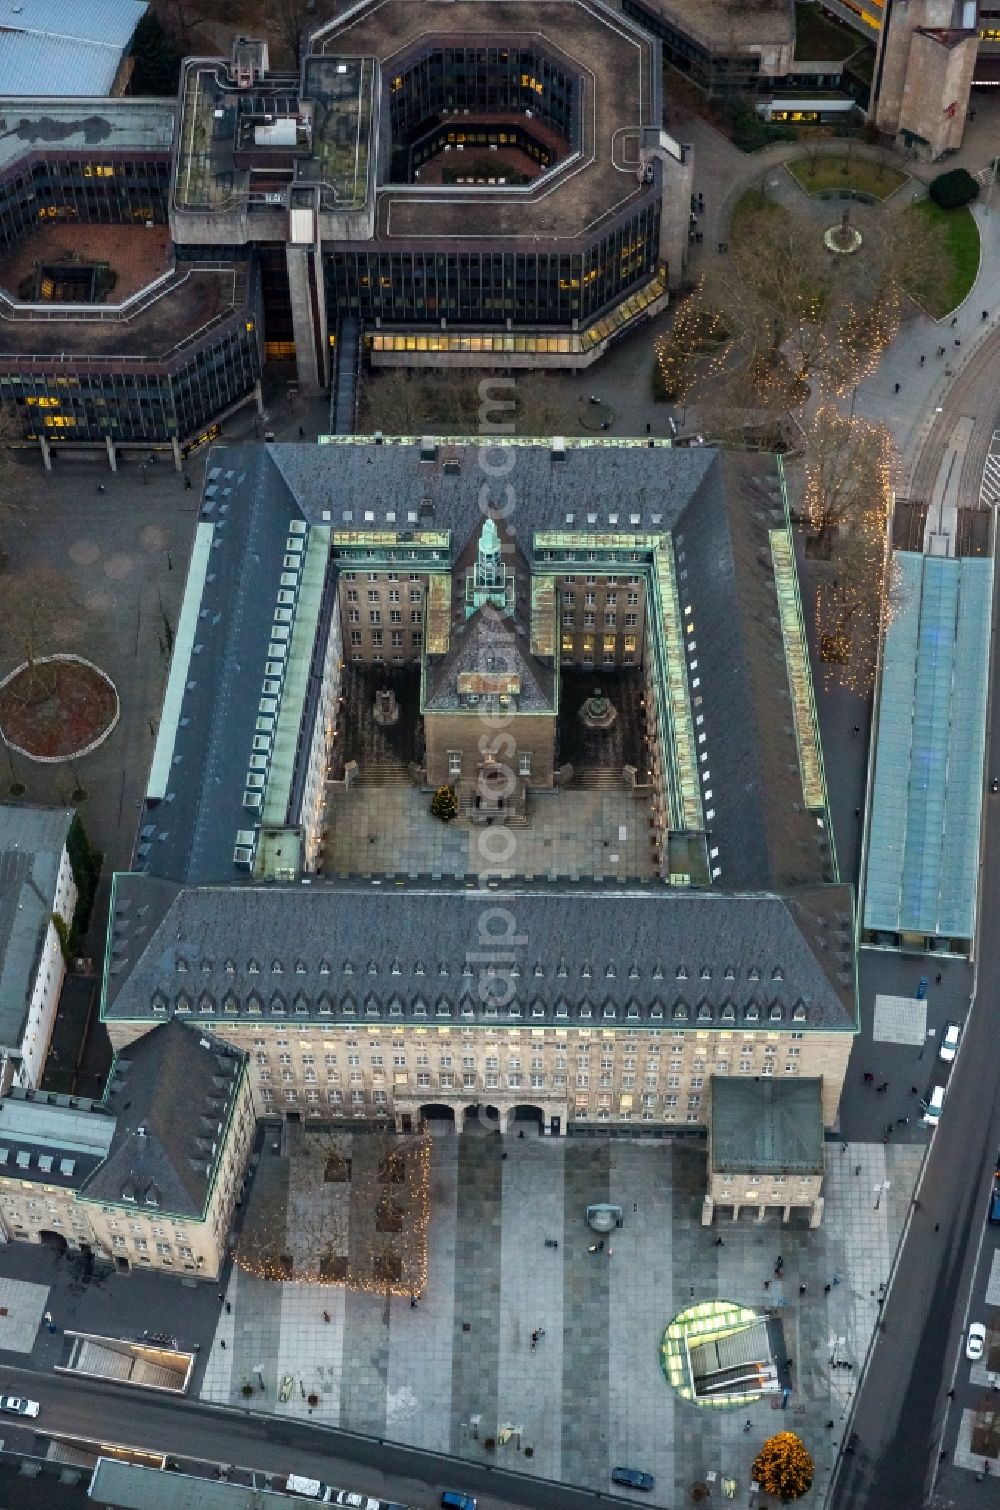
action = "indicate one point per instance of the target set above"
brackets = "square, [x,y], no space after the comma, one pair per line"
[118,190]
[493,79]
[132,400]
[527,288]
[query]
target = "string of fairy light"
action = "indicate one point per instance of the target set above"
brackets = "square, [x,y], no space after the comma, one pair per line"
[820,336]
[264,1242]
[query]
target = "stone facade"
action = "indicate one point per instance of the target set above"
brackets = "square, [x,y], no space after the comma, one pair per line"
[578,1075]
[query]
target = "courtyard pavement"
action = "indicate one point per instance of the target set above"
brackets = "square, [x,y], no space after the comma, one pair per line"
[388,830]
[458,1368]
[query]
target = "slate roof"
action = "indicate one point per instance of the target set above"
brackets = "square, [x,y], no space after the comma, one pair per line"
[490,641]
[765,834]
[348,952]
[776,907]
[64,47]
[767,1126]
[52,1139]
[171,1092]
[32,840]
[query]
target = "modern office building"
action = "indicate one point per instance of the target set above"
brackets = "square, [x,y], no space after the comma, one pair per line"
[478,184]
[639,891]
[106,338]
[905,65]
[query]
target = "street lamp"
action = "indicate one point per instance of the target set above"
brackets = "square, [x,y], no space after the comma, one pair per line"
[882,1186]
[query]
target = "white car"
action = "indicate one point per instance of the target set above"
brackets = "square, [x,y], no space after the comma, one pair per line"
[16,1405]
[949,1042]
[932,1106]
[355,1501]
[976,1342]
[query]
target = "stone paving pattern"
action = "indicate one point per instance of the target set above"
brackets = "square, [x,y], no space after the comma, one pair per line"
[591,1394]
[388,830]
[899,1019]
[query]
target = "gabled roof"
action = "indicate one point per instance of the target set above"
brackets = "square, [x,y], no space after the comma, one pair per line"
[171,1093]
[345,952]
[32,840]
[490,644]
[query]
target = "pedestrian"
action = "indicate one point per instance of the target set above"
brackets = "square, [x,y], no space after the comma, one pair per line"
[857,1169]
[937,1226]
[857,812]
[413,1302]
[326,1317]
[843,1147]
[302,433]
[914,1091]
[611,1252]
[829,1425]
[100,487]
[187,484]
[748,1426]
[895,388]
[229,1307]
[719,1243]
[942,1454]
[902,1121]
[827,1289]
[222,1342]
[836,1279]
[802,1289]
[986,314]
[940,351]
[857,730]
[922,360]
[951,1394]
[954,321]
[957,341]
[869,1078]
[937,978]
[648,427]
[222,1297]
[767,1284]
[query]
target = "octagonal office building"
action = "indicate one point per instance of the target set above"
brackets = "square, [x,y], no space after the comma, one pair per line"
[473,183]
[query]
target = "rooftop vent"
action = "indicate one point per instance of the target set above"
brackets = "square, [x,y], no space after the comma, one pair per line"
[428,449]
[558,448]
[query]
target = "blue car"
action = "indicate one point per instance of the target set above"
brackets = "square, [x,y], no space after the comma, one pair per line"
[632,1478]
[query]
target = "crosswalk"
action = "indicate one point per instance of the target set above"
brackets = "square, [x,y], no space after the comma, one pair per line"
[989,489]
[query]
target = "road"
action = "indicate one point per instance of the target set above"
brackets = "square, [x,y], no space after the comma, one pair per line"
[82,1408]
[903,1403]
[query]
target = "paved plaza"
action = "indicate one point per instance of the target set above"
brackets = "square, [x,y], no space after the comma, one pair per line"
[601,833]
[458,1368]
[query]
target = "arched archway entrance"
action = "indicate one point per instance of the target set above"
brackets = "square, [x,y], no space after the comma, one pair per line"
[53,1240]
[435,1118]
[482,1118]
[526,1121]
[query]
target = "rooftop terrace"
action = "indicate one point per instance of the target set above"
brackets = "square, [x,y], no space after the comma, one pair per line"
[229,134]
[173,313]
[615,64]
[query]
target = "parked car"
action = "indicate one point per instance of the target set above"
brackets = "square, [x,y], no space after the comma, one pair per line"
[995,1194]
[451,1499]
[932,1106]
[949,1042]
[976,1342]
[632,1478]
[355,1501]
[17,1405]
[308,1489]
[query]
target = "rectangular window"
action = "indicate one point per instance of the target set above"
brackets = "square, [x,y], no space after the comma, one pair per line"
[524,763]
[454,762]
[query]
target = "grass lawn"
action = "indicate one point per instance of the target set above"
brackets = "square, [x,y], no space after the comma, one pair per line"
[863,175]
[750,207]
[942,289]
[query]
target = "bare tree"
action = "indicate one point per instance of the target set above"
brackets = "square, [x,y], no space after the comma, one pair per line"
[843,458]
[38,609]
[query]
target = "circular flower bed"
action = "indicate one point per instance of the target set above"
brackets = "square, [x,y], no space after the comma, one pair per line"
[59,708]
